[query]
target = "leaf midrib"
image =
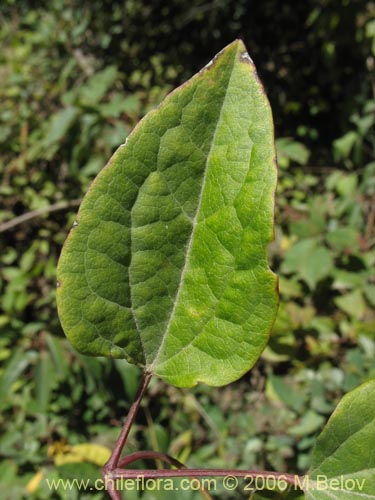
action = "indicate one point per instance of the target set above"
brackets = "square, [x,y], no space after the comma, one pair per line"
[194,225]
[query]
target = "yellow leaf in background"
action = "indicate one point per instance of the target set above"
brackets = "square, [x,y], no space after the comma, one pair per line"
[57,448]
[94,453]
[64,454]
[287,242]
[180,447]
[180,442]
[34,482]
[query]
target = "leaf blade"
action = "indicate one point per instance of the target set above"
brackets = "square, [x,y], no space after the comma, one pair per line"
[342,457]
[180,216]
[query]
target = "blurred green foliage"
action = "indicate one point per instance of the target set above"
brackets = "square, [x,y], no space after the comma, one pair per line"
[75,78]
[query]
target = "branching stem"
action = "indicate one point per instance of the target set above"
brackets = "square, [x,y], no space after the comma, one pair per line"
[55,207]
[113,471]
[117,450]
[155,473]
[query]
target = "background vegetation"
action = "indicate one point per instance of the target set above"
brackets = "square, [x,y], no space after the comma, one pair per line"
[75,77]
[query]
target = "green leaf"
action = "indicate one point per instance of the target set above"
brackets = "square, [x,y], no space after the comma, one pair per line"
[310,422]
[352,303]
[343,461]
[59,125]
[278,389]
[97,86]
[343,146]
[290,150]
[346,185]
[369,291]
[15,367]
[166,265]
[310,260]
[344,238]
[345,279]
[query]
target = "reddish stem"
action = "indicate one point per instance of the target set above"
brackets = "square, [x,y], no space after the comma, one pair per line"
[113,461]
[112,469]
[154,455]
[157,473]
[120,443]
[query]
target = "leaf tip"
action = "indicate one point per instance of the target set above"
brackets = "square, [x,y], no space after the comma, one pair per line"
[244,57]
